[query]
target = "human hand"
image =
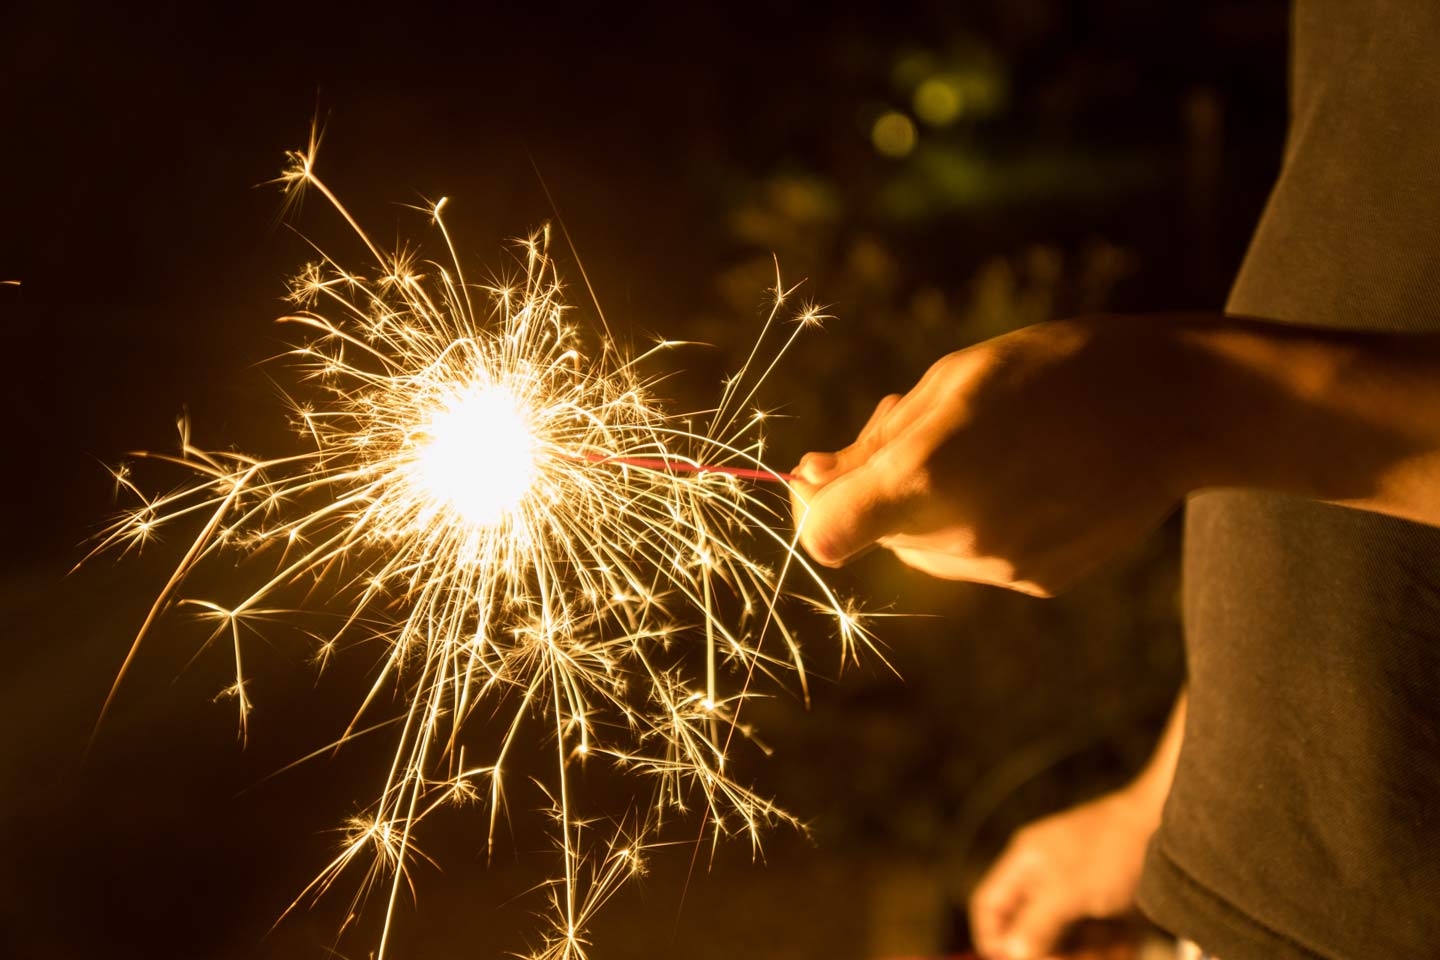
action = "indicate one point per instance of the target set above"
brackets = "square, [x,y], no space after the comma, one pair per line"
[1024,461]
[1079,865]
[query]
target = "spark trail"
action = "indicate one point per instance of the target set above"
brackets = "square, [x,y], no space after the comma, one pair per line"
[547,553]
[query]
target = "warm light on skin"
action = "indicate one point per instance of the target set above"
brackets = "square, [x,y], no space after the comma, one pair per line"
[476,454]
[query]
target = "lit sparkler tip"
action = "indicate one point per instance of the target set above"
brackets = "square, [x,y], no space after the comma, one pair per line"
[532,535]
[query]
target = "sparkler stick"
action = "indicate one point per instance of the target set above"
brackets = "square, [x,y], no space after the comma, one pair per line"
[539,545]
[683,466]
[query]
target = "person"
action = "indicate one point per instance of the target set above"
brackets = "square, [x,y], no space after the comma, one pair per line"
[1292,809]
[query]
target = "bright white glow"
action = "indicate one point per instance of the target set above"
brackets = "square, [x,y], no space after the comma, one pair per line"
[477,454]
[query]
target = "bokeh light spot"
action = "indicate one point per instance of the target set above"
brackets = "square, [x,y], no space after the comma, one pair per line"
[893,134]
[938,101]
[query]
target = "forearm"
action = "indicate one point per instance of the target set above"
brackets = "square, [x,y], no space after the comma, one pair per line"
[1152,785]
[1028,459]
[1352,418]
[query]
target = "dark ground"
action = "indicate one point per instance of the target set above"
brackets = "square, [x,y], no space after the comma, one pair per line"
[1110,155]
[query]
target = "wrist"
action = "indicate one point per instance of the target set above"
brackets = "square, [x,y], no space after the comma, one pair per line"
[1170,372]
[1249,402]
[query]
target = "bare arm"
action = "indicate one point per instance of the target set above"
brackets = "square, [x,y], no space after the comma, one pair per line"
[1154,781]
[1083,863]
[1352,418]
[1027,460]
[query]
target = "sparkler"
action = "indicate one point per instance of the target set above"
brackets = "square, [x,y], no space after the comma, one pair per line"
[534,537]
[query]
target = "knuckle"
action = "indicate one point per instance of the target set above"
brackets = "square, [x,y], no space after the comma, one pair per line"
[815,465]
[1027,837]
[988,892]
[1029,858]
[960,365]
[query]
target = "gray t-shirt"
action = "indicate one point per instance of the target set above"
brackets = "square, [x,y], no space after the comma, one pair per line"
[1304,820]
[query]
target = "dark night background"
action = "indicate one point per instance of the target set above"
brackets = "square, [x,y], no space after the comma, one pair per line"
[938,172]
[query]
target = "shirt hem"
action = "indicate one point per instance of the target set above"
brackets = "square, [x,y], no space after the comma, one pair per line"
[1187,908]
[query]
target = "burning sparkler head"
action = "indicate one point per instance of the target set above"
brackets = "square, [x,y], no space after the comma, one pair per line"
[521,523]
[476,453]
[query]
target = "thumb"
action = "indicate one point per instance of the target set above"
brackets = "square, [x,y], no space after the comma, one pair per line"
[848,514]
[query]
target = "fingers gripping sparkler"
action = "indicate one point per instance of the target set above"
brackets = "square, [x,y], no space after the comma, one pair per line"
[538,537]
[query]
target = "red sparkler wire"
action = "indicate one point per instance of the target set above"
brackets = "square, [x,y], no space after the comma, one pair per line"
[670,465]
